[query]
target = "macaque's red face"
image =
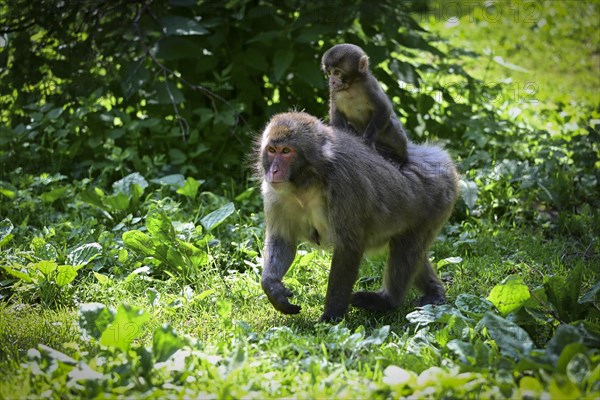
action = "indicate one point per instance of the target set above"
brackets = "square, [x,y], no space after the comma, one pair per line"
[336,79]
[278,159]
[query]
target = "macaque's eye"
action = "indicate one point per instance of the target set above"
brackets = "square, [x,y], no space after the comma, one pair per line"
[271,149]
[286,150]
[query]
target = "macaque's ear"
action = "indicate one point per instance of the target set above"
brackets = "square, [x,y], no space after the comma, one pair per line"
[363,64]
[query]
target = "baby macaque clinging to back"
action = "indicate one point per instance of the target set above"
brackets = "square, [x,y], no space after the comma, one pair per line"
[357,102]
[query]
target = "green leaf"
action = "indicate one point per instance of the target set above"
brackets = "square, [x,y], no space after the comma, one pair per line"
[166,342]
[589,296]
[83,254]
[46,267]
[396,376]
[53,195]
[429,314]
[473,305]
[190,188]
[6,227]
[468,192]
[125,185]
[281,62]
[93,197]
[176,180]
[181,26]
[167,93]
[126,327]
[117,202]
[464,350]
[66,274]
[133,77]
[564,336]
[52,354]
[564,293]
[18,274]
[94,318]
[160,227]
[512,340]
[102,279]
[509,295]
[578,368]
[215,218]
[139,242]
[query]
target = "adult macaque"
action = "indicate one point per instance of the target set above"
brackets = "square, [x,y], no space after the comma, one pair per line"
[357,101]
[325,186]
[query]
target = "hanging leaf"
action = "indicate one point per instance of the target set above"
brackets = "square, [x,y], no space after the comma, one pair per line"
[215,218]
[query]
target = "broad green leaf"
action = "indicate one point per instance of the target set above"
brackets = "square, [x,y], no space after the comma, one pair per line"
[46,267]
[175,259]
[281,62]
[567,354]
[126,327]
[43,250]
[17,274]
[204,294]
[65,275]
[92,197]
[468,192]
[139,242]
[589,296]
[215,218]
[512,340]
[54,194]
[7,192]
[430,313]
[177,156]
[177,180]
[153,296]
[124,185]
[52,354]
[160,227]
[102,279]
[94,318]
[471,304]
[449,260]
[180,26]
[377,337]
[564,294]
[133,77]
[83,254]
[167,93]
[190,188]
[396,376]
[564,336]
[6,227]
[166,342]
[509,295]
[578,368]
[117,202]
[464,350]
[55,113]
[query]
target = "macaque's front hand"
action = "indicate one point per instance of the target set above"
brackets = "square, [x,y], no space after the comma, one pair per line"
[278,296]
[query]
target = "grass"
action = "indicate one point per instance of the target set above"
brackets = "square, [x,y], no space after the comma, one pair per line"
[229,342]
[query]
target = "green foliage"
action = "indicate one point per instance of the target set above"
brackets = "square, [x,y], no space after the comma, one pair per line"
[124,138]
[175,256]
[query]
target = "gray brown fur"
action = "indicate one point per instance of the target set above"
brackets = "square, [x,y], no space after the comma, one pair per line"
[342,193]
[360,105]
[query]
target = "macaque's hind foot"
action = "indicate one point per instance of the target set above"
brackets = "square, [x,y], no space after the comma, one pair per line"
[278,296]
[431,299]
[372,301]
[331,318]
